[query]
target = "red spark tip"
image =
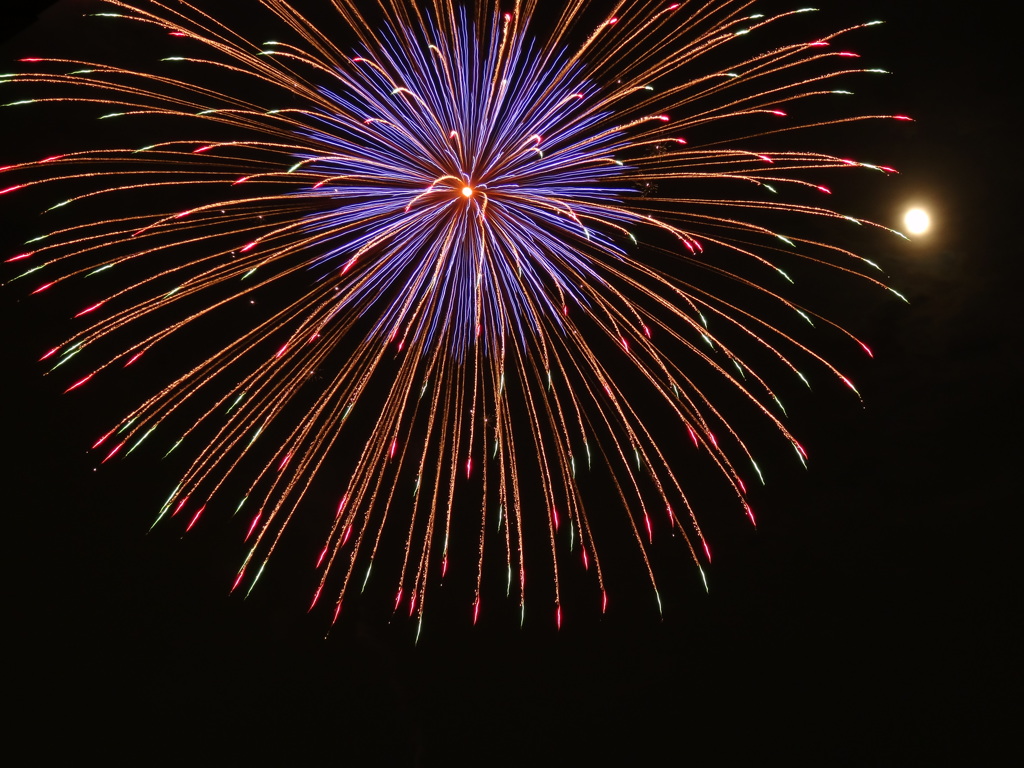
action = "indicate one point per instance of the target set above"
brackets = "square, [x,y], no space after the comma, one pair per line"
[12,189]
[31,60]
[20,256]
[87,310]
[51,353]
[902,117]
[113,451]
[78,383]
[248,247]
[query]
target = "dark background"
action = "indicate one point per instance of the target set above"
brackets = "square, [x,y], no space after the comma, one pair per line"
[867,622]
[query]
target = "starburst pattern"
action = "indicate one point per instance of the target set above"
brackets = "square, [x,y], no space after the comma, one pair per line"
[482,235]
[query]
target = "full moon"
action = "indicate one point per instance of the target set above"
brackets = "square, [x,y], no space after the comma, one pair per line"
[917,221]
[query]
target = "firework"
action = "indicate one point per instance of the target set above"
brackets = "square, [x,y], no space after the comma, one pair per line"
[490,246]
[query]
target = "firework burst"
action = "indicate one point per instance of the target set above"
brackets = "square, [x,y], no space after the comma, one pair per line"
[482,236]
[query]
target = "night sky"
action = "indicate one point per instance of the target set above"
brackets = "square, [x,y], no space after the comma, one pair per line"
[867,621]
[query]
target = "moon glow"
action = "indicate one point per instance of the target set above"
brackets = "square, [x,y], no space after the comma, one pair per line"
[917,221]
